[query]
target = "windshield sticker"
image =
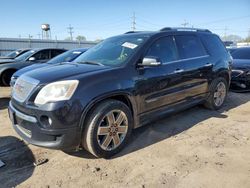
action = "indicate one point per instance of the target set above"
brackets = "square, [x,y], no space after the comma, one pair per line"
[129,45]
[76,52]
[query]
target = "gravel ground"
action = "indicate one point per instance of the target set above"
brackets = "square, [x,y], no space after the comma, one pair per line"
[194,148]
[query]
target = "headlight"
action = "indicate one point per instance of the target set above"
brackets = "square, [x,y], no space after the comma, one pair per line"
[56,91]
[236,73]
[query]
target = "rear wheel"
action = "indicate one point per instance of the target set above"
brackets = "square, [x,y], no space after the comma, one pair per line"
[107,129]
[218,93]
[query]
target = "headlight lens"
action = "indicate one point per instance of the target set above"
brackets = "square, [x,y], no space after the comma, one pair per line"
[236,72]
[56,91]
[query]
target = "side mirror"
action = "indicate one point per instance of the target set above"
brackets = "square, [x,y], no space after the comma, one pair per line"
[32,59]
[151,62]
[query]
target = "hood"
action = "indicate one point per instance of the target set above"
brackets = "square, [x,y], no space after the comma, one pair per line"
[62,71]
[241,64]
[4,61]
[29,68]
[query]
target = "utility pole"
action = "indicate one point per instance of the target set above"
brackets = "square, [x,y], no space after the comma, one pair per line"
[133,22]
[185,23]
[70,28]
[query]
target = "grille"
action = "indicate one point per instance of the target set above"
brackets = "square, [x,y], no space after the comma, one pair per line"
[23,87]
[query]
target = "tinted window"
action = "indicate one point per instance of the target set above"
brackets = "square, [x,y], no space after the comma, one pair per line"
[54,53]
[189,46]
[214,45]
[163,48]
[241,53]
[41,55]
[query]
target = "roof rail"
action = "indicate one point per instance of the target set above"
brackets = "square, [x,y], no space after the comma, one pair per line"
[130,32]
[184,29]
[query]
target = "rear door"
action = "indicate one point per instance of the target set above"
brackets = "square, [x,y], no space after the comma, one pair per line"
[197,64]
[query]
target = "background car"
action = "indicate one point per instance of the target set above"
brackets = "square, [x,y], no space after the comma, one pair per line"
[15,54]
[241,69]
[10,66]
[67,56]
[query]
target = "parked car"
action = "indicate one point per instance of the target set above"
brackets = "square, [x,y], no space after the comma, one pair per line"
[122,83]
[14,54]
[9,67]
[241,69]
[67,56]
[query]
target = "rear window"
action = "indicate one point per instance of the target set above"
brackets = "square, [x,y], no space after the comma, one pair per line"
[189,46]
[214,45]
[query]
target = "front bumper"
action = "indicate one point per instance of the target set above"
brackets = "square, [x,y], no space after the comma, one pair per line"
[29,128]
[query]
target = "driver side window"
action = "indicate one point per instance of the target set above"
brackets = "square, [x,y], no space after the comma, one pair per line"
[163,48]
[42,55]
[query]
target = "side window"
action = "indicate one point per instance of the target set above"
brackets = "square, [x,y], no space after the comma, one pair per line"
[164,48]
[189,46]
[214,45]
[42,55]
[55,53]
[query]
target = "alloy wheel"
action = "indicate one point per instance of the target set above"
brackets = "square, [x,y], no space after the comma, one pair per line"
[112,130]
[220,94]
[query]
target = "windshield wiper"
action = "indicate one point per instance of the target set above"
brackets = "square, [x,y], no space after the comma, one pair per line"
[90,63]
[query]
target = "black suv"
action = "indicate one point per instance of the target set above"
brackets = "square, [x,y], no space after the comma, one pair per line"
[9,66]
[120,84]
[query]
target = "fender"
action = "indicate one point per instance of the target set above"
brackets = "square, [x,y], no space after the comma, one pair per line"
[98,99]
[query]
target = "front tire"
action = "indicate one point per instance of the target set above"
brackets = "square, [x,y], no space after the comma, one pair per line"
[6,77]
[218,92]
[108,128]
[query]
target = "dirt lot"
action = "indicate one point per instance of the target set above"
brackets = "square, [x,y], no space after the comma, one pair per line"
[195,148]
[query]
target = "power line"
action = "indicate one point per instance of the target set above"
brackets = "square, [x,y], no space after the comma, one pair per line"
[224,20]
[70,28]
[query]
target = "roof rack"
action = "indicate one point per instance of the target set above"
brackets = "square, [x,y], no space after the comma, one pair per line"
[184,29]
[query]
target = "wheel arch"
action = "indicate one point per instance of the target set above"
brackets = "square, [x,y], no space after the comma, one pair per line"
[225,74]
[6,70]
[120,96]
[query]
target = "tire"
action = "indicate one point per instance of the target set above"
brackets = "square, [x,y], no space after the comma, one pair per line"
[212,100]
[102,128]
[6,77]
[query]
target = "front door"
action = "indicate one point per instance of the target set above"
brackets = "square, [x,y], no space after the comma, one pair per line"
[162,85]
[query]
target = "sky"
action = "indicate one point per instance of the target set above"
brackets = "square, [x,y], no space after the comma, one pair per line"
[99,19]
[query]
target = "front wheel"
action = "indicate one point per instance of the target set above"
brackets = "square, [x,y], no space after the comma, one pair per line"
[218,92]
[108,128]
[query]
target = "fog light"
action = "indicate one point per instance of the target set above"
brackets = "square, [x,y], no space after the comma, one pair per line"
[46,121]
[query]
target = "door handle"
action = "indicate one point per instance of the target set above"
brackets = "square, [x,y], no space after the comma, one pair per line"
[178,70]
[208,65]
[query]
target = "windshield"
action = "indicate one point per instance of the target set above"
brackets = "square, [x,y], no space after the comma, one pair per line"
[12,54]
[25,55]
[113,51]
[66,56]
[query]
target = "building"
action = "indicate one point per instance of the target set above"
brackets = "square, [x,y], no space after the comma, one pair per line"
[9,44]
